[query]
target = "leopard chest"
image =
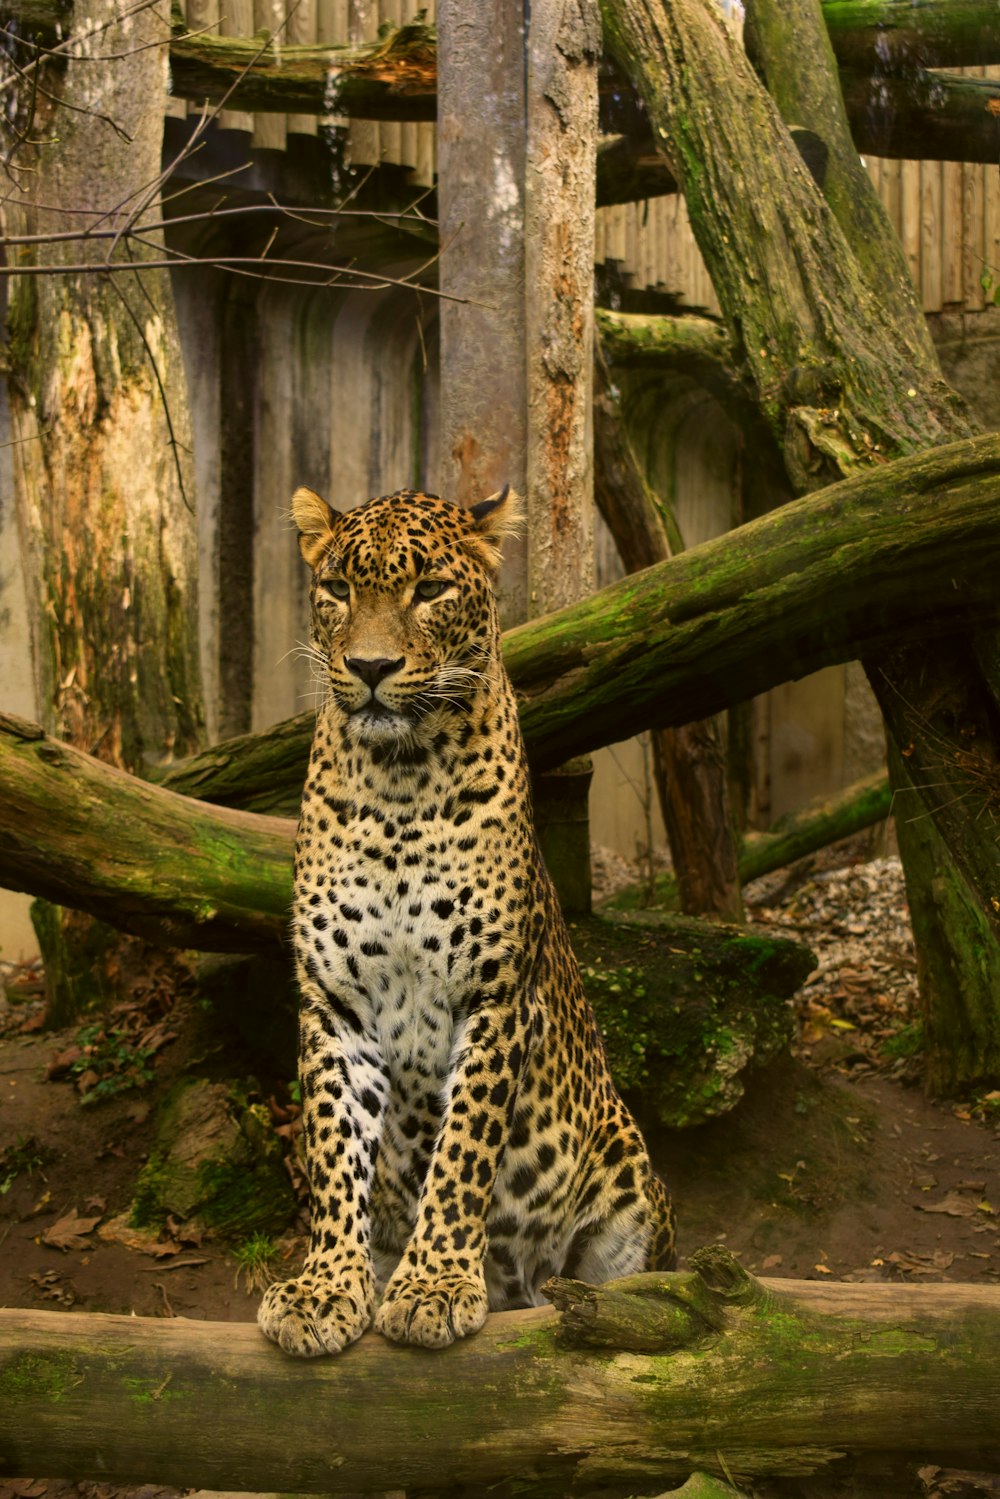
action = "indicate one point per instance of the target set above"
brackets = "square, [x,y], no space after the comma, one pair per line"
[404,917]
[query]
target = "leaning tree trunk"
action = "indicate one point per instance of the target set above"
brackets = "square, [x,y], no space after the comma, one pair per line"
[890,555]
[845,374]
[103,448]
[689,762]
[636,1384]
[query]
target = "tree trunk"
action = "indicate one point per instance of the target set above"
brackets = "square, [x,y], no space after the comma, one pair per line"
[98,406]
[636,1384]
[844,369]
[935,702]
[689,762]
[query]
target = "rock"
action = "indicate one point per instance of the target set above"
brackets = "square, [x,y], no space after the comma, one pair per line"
[217,1162]
[687,1008]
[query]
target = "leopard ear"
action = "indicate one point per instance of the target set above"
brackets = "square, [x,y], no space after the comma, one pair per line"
[314,519]
[496,518]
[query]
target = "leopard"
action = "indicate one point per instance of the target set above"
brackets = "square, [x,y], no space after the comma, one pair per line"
[463,1137]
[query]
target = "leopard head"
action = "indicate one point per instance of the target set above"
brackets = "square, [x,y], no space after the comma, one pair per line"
[404,615]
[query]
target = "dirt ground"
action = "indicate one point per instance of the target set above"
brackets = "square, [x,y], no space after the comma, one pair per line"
[834,1165]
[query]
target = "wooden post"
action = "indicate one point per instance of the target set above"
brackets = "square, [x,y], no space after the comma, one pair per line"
[481,109]
[517,154]
[564,43]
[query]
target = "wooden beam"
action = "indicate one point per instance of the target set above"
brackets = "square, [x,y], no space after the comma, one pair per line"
[907,115]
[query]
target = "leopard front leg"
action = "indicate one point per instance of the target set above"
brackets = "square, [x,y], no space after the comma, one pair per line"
[438,1291]
[344,1092]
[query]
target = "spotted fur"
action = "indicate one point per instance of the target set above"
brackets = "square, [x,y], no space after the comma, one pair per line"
[464,1138]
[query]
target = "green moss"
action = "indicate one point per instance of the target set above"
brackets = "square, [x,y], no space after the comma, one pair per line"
[36,1376]
[217,1161]
[686,1008]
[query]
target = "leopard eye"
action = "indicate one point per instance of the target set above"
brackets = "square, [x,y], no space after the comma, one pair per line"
[430,588]
[337,588]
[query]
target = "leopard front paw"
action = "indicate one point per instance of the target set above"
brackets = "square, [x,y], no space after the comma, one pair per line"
[317,1313]
[432,1310]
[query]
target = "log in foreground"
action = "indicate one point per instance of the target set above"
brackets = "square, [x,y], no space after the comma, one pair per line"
[896,552]
[636,1384]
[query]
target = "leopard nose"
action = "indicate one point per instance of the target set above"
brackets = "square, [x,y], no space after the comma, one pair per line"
[374,670]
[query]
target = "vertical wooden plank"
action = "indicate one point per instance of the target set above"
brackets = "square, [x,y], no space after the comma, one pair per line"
[931,235]
[564,44]
[953,234]
[390,131]
[236,19]
[600,236]
[302,31]
[991,227]
[991,213]
[269,129]
[333,26]
[425,153]
[176,108]
[973,230]
[483,401]
[909,216]
[891,193]
[364,146]
[616,234]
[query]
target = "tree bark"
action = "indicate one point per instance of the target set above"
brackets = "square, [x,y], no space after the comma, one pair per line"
[177,871]
[636,1384]
[99,408]
[935,33]
[98,401]
[841,360]
[939,705]
[689,761]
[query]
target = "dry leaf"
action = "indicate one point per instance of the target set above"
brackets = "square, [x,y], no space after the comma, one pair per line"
[953,1205]
[68,1232]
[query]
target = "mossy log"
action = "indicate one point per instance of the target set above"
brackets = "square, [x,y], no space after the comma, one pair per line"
[394,78]
[899,33]
[90,836]
[907,113]
[905,550]
[626,1387]
[908,549]
[821,822]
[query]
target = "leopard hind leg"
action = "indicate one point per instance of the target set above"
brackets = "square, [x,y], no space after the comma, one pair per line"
[638,1237]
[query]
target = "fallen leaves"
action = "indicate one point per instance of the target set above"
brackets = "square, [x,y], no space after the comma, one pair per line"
[70,1231]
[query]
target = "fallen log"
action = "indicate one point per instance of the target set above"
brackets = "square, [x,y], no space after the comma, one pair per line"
[628,1386]
[899,551]
[904,113]
[181,873]
[821,822]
